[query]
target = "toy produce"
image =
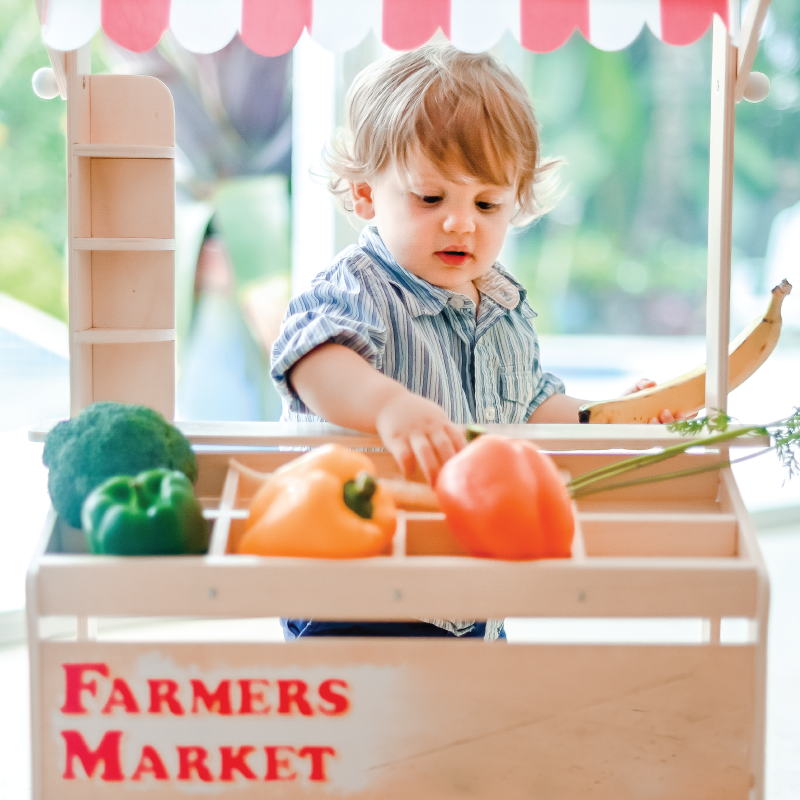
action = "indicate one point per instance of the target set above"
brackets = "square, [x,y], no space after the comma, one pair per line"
[503,498]
[686,393]
[325,504]
[154,513]
[108,439]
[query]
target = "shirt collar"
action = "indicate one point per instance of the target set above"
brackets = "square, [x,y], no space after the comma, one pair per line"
[422,297]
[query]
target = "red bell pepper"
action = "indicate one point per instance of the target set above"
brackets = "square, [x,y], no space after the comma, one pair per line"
[503,498]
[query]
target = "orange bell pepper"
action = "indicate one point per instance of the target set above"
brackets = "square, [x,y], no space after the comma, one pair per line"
[325,504]
[503,498]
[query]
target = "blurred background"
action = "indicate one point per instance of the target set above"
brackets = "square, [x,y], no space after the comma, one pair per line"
[623,253]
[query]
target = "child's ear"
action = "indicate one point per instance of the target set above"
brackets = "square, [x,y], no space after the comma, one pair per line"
[361,195]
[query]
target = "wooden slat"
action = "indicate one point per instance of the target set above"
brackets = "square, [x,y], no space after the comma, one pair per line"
[123,151]
[720,209]
[659,534]
[748,545]
[390,588]
[748,43]
[124,335]
[123,243]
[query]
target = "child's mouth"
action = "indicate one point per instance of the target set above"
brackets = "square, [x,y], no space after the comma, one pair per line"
[453,257]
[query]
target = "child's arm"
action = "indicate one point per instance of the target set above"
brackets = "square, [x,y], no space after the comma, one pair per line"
[561,408]
[340,386]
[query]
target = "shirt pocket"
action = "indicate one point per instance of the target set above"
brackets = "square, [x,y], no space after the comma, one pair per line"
[516,386]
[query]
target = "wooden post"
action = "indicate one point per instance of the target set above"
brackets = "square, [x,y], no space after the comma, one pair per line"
[313,122]
[78,73]
[720,206]
[748,43]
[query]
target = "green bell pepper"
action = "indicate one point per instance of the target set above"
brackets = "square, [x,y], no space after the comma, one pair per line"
[152,513]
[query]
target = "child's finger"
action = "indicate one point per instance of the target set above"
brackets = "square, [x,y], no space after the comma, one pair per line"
[457,437]
[425,456]
[403,455]
[442,445]
[644,383]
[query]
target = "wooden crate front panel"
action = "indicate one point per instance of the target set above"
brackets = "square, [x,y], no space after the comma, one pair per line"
[418,719]
[133,289]
[134,373]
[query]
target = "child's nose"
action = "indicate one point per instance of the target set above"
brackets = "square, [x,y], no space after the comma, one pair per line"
[459,221]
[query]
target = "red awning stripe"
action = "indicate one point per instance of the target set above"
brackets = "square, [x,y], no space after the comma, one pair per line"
[272,27]
[685,21]
[545,26]
[137,25]
[410,23]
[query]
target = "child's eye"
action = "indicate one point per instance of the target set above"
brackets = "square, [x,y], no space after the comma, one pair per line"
[430,199]
[484,205]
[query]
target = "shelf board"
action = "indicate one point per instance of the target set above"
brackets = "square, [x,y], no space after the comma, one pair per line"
[124,335]
[122,151]
[97,243]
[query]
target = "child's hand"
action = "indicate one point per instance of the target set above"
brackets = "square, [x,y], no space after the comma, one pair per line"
[665,416]
[418,433]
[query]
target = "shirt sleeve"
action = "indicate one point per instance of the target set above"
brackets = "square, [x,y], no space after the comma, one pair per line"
[545,383]
[336,309]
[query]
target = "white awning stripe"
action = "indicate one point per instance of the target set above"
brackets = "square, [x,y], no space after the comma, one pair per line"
[614,24]
[476,25]
[69,24]
[205,26]
[341,25]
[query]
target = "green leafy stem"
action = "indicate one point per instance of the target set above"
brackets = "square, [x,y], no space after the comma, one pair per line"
[784,435]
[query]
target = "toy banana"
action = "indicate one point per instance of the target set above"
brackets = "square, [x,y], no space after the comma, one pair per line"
[686,393]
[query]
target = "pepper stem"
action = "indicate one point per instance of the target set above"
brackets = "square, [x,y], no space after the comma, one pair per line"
[358,494]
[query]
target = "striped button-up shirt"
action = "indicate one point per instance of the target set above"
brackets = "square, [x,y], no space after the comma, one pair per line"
[482,368]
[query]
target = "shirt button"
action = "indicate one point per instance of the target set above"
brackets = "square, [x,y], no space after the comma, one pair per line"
[489,414]
[456,302]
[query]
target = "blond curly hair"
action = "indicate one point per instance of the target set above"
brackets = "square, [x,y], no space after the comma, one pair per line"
[467,113]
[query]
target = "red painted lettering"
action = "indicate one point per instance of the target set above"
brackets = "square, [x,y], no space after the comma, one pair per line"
[75,685]
[235,760]
[163,691]
[121,695]
[107,752]
[193,758]
[151,763]
[219,701]
[249,695]
[317,761]
[339,702]
[293,693]
[277,767]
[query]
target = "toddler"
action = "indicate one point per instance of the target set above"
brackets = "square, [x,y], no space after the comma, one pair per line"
[418,330]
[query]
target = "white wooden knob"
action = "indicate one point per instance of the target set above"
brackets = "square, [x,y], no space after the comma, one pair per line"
[44,83]
[757,87]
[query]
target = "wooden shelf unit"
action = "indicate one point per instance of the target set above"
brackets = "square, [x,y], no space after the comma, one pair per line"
[121,184]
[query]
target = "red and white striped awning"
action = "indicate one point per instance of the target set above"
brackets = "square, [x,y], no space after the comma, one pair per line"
[272,27]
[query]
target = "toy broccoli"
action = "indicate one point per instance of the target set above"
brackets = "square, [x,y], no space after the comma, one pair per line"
[108,439]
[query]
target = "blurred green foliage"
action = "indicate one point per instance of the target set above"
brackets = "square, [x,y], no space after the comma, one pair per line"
[33,223]
[624,251]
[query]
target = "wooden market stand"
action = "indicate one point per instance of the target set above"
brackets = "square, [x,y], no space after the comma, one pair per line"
[420,718]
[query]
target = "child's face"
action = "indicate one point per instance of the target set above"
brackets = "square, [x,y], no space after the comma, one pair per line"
[446,231]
